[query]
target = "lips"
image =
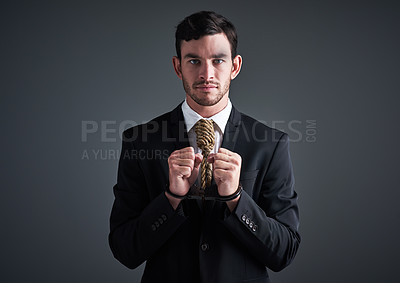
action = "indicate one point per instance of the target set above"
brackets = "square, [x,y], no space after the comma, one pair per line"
[206,87]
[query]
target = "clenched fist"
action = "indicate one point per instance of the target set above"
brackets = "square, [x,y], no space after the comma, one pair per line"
[226,172]
[183,170]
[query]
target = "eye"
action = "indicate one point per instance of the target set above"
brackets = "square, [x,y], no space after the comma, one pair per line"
[218,61]
[194,61]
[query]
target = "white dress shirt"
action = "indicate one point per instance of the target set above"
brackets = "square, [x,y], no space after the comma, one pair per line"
[220,119]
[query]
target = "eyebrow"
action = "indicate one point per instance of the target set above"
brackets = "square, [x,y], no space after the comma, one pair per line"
[218,55]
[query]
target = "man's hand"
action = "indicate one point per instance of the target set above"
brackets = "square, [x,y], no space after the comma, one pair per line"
[226,170]
[183,170]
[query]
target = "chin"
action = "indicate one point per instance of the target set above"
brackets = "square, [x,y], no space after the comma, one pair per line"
[206,98]
[208,102]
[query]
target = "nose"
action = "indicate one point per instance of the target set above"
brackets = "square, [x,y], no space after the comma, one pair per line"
[207,71]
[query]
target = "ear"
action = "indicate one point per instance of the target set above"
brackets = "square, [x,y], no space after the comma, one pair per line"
[237,65]
[177,66]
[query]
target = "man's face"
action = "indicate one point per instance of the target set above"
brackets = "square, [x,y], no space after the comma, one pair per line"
[206,69]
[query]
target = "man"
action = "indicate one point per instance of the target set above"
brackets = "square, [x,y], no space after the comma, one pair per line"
[222,214]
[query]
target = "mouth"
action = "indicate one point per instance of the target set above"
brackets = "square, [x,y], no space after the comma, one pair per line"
[206,87]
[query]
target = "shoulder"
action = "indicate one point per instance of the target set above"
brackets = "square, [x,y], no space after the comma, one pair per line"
[259,131]
[150,128]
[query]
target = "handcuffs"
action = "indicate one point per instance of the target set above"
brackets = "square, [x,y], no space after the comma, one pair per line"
[211,193]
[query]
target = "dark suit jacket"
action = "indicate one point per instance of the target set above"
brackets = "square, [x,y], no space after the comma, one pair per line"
[204,242]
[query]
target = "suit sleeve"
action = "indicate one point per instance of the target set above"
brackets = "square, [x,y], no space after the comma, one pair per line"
[268,227]
[138,226]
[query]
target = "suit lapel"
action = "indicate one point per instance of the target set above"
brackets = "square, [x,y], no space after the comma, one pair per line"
[178,128]
[181,140]
[173,134]
[231,134]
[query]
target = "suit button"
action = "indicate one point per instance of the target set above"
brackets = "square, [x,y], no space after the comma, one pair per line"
[153,227]
[157,224]
[160,220]
[164,217]
[244,217]
[247,221]
[255,228]
[251,224]
[204,247]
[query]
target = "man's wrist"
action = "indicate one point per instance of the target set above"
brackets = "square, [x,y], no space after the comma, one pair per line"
[173,201]
[171,194]
[234,195]
[233,203]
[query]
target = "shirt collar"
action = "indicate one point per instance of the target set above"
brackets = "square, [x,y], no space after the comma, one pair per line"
[220,119]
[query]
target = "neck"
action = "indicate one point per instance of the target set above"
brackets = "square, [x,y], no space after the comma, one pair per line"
[207,111]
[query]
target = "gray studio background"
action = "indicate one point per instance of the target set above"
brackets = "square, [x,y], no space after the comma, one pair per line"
[326,72]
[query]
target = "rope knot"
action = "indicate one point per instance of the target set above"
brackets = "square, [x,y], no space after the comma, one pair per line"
[205,138]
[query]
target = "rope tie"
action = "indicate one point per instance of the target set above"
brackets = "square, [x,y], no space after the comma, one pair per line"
[205,137]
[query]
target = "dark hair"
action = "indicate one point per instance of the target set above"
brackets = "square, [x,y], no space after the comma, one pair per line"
[205,23]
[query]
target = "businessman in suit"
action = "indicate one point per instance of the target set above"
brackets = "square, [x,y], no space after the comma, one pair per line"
[223,214]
